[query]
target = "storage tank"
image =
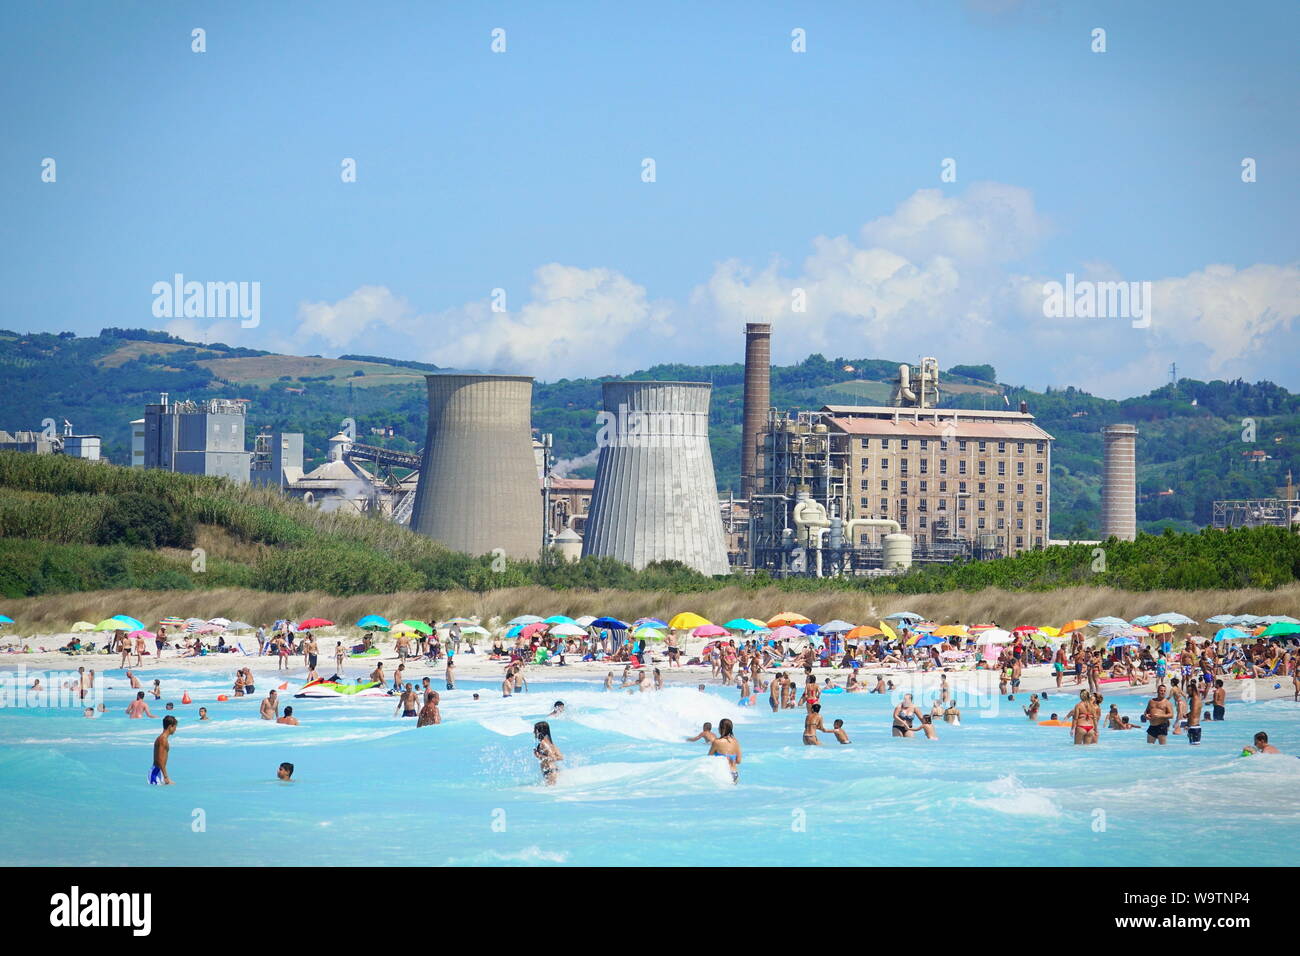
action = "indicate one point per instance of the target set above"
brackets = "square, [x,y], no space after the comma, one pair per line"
[478,490]
[655,497]
[897,551]
[1119,482]
[569,543]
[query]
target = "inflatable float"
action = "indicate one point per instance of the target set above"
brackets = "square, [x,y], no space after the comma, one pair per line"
[1053,723]
[327,688]
[373,652]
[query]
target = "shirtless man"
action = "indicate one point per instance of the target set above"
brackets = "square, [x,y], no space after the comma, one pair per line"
[138,708]
[377,675]
[1194,713]
[812,724]
[1220,699]
[133,680]
[706,734]
[161,750]
[726,745]
[429,713]
[288,717]
[1159,712]
[451,673]
[776,688]
[880,685]
[407,702]
[270,707]
[1262,746]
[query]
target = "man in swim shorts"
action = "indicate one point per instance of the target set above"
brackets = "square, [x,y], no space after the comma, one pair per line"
[1193,713]
[161,751]
[1159,712]
[270,707]
[1220,699]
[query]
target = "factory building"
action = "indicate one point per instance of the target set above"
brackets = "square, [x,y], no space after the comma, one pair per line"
[570,500]
[197,438]
[46,443]
[277,459]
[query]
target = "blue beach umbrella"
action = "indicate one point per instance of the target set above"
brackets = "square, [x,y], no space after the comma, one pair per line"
[652,621]
[928,640]
[809,628]
[373,622]
[560,619]
[525,619]
[1108,622]
[904,616]
[1219,619]
[1123,642]
[613,623]
[6,619]
[1230,634]
[740,624]
[127,619]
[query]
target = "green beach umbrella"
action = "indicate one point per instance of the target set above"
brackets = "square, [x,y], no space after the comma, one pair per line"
[1281,629]
[420,626]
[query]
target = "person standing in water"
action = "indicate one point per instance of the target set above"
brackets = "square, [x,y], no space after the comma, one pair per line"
[726,745]
[161,751]
[546,752]
[429,714]
[811,725]
[451,672]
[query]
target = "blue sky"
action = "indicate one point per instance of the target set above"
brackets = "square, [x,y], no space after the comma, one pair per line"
[775,171]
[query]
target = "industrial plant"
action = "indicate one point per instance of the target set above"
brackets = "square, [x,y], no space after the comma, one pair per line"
[833,491]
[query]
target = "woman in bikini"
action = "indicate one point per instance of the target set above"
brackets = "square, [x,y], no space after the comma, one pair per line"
[546,752]
[726,745]
[904,714]
[1083,719]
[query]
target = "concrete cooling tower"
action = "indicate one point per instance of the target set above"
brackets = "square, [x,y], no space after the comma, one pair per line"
[1119,482]
[478,487]
[655,497]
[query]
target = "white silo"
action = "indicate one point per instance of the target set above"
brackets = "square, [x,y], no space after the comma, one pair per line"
[656,498]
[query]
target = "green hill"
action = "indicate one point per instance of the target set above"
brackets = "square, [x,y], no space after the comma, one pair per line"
[1190,447]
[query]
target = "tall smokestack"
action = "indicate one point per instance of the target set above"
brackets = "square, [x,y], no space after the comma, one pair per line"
[758,398]
[1119,482]
[478,487]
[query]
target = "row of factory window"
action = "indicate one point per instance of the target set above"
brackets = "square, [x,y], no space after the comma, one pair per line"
[923,466]
[920,540]
[981,523]
[945,443]
[923,487]
[922,506]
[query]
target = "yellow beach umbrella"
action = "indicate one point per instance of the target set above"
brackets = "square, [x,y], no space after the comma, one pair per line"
[950,630]
[1050,631]
[82,626]
[687,621]
[1161,628]
[888,631]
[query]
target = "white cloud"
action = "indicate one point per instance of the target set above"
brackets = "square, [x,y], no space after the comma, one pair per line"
[351,318]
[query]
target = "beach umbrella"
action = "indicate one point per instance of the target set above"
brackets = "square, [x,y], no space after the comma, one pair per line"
[652,621]
[172,622]
[1230,634]
[929,640]
[6,619]
[1123,642]
[1161,628]
[1143,620]
[1219,619]
[524,619]
[993,635]
[81,626]
[950,630]
[1105,622]
[810,629]
[649,634]
[788,617]
[687,621]
[568,630]
[741,624]
[586,620]
[110,624]
[887,632]
[1275,619]
[210,629]
[1023,629]
[474,629]
[373,622]
[537,627]
[141,632]
[904,616]
[709,630]
[420,626]
[220,621]
[1049,631]
[835,627]
[239,626]
[1280,629]
[1174,618]
[786,633]
[612,623]
[128,620]
[314,622]
[458,620]
[559,619]
[863,632]
[1079,625]
[514,630]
